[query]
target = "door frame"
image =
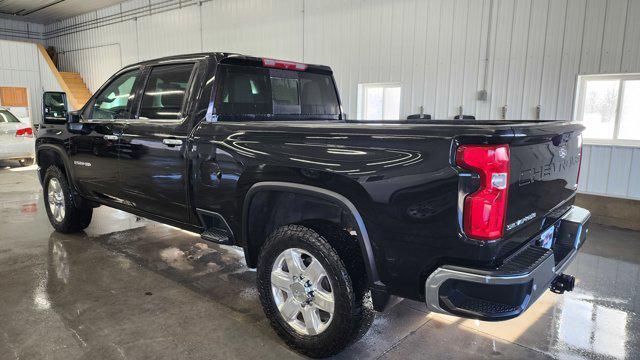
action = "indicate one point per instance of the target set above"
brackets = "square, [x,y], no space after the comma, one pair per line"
[187,122]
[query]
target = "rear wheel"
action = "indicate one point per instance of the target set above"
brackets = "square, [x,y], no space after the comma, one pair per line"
[64,213]
[315,303]
[302,291]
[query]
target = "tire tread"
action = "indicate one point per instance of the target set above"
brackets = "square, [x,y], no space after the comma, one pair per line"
[77,217]
[337,247]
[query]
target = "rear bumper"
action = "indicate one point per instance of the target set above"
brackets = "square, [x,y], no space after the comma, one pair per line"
[508,291]
[21,149]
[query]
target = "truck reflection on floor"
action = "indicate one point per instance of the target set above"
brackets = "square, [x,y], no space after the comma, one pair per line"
[219,273]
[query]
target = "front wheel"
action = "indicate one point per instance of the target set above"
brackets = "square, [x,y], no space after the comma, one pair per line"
[64,213]
[313,301]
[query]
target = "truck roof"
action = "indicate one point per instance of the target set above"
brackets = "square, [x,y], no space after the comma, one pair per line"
[225,57]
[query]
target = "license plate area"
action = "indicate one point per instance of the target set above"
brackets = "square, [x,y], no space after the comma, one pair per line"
[547,237]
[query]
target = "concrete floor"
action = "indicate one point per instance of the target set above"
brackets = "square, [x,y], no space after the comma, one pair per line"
[132,288]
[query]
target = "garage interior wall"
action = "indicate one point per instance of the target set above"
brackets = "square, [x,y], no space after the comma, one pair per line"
[21,31]
[21,65]
[524,53]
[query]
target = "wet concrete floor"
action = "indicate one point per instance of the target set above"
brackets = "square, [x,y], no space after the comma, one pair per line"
[132,288]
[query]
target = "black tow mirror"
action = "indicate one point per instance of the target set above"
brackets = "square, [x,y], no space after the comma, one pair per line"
[54,108]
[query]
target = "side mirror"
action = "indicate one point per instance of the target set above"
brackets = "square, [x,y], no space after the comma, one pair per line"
[54,108]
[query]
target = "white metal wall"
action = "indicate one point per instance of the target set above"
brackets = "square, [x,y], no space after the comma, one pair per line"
[22,66]
[93,72]
[261,27]
[21,31]
[611,171]
[525,53]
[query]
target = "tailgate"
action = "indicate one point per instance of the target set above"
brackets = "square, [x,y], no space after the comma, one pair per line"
[545,162]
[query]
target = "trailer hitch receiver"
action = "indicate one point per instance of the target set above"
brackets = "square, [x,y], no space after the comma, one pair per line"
[562,283]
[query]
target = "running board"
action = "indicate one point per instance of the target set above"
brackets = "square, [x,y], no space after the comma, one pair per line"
[216,235]
[215,228]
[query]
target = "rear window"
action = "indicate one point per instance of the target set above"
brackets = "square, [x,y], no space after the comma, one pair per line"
[245,90]
[7,117]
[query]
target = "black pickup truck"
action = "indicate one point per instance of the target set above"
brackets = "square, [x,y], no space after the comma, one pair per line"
[340,217]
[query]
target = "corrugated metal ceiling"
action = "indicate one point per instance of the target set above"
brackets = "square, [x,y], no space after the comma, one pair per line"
[49,11]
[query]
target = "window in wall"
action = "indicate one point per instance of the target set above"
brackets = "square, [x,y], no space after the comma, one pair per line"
[379,101]
[608,106]
[164,93]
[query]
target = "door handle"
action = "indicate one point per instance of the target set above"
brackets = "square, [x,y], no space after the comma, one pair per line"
[111,137]
[172,142]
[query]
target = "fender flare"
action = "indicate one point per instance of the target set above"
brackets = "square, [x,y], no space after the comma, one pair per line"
[65,160]
[328,195]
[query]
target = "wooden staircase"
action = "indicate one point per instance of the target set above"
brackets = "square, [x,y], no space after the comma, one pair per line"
[71,83]
[78,88]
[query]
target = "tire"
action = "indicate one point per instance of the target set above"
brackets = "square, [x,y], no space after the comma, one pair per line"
[26,162]
[352,311]
[72,217]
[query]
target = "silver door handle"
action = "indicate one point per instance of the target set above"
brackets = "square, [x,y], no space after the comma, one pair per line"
[172,142]
[111,137]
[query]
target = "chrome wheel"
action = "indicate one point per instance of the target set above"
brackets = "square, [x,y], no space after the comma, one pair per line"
[302,291]
[55,198]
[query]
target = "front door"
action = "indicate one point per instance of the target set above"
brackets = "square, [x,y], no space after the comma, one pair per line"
[94,147]
[153,165]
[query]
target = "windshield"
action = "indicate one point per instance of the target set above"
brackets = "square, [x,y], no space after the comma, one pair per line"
[245,90]
[7,117]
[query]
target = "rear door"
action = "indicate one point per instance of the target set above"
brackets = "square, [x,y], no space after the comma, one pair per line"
[94,148]
[153,167]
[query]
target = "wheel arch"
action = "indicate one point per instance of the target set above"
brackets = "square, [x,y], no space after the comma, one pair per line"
[50,154]
[253,241]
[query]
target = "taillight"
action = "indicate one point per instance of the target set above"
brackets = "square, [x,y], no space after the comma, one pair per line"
[26,132]
[286,65]
[485,210]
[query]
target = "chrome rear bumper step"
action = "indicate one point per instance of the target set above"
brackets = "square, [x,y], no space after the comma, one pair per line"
[509,290]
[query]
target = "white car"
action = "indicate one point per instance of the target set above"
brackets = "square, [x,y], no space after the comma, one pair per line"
[16,139]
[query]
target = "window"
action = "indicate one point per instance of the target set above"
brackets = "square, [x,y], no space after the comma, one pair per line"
[113,102]
[164,93]
[285,94]
[318,95]
[7,117]
[630,113]
[608,106]
[285,91]
[379,101]
[246,90]
[243,90]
